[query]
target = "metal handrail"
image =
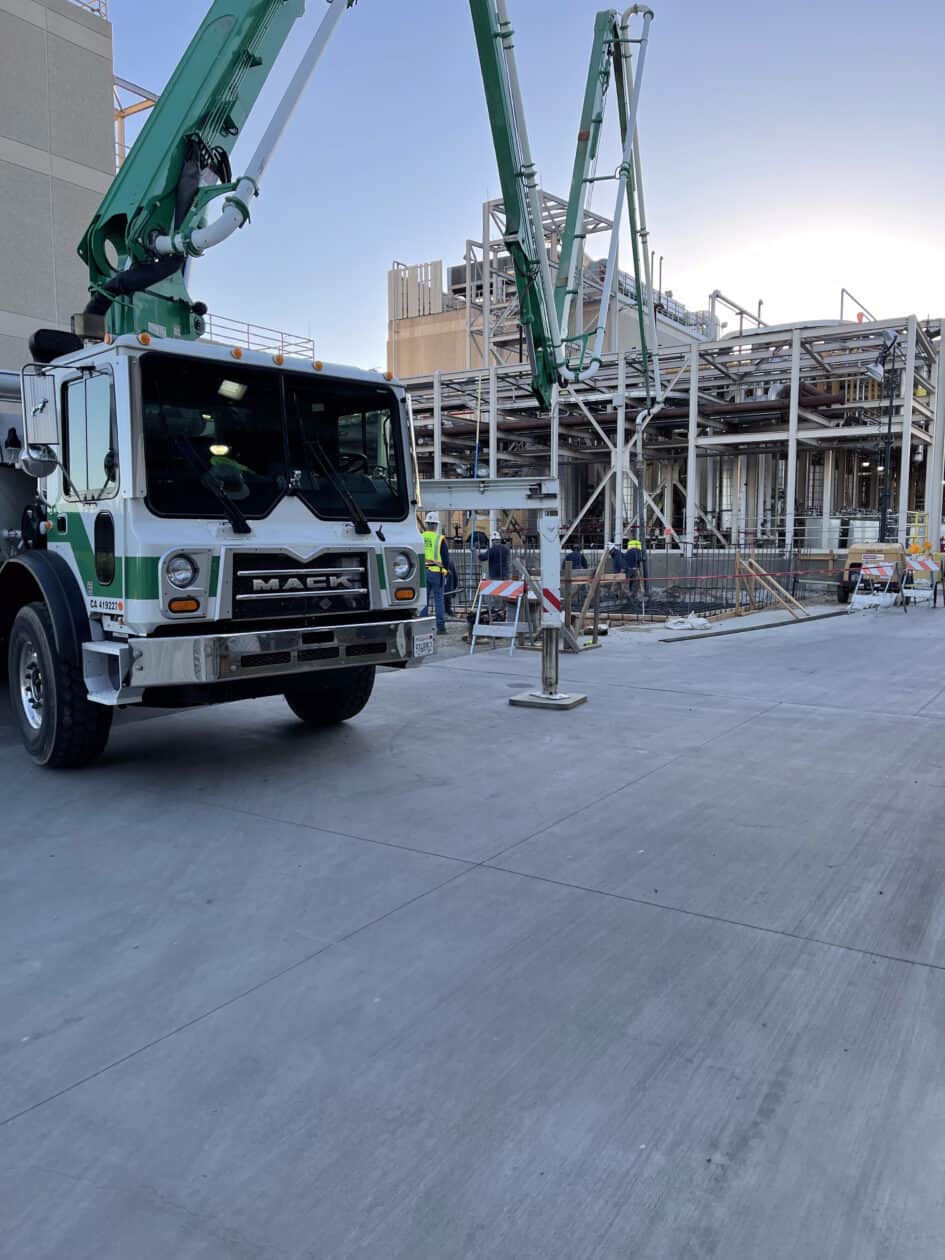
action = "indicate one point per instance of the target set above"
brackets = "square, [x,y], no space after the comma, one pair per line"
[98,7]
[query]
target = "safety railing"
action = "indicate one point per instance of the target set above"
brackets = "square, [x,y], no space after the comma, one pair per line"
[235,332]
[98,7]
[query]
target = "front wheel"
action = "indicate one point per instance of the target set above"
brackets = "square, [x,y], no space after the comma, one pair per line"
[59,725]
[325,699]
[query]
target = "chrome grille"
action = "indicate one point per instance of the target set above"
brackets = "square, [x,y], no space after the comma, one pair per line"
[272,584]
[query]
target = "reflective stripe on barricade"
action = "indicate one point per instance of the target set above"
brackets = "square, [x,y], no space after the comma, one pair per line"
[501,589]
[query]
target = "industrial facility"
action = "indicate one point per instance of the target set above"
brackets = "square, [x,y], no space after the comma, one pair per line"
[803,438]
[484,806]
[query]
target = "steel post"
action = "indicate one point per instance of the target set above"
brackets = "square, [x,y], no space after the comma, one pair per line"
[692,479]
[493,434]
[905,453]
[829,463]
[620,454]
[935,458]
[790,491]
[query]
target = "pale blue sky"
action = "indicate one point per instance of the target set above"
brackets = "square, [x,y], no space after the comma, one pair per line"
[788,150]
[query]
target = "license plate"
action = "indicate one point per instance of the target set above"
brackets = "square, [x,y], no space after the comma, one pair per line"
[424,645]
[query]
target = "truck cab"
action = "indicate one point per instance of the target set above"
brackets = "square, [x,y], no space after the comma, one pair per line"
[206,524]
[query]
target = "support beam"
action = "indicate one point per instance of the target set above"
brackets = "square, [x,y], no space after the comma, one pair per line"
[493,434]
[486,286]
[437,425]
[790,493]
[740,500]
[905,453]
[692,489]
[619,455]
[829,462]
[935,455]
[668,504]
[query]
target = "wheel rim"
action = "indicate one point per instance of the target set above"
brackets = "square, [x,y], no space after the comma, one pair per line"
[32,687]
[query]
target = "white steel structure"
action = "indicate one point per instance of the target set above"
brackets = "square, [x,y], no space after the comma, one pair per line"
[776,435]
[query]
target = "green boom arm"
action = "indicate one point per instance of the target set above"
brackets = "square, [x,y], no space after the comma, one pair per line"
[560,353]
[524,234]
[180,160]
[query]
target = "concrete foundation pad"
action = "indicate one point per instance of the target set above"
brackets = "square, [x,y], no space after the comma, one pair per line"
[535,700]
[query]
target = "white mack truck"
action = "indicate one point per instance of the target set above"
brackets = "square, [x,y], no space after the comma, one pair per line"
[181,522]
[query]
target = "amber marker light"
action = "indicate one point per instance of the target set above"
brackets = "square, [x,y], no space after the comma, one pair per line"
[405,592]
[184,605]
[144,338]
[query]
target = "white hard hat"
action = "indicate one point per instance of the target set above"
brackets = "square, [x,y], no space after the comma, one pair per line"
[432,518]
[497,537]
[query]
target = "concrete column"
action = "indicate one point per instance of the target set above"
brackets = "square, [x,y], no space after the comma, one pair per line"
[935,457]
[608,510]
[692,478]
[827,507]
[740,496]
[790,490]
[619,454]
[905,454]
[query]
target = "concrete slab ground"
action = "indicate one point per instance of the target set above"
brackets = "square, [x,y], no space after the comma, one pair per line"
[661,978]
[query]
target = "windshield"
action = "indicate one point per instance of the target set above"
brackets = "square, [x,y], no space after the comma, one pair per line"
[344,437]
[254,434]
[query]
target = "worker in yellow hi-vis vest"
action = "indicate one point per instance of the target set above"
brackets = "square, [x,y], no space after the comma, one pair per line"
[632,559]
[437,558]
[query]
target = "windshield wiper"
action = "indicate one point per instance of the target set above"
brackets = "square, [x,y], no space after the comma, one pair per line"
[234,513]
[361,523]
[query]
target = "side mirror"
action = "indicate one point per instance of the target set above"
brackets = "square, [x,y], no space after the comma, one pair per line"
[40,456]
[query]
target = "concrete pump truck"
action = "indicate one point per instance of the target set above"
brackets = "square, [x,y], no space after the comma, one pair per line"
[182,522]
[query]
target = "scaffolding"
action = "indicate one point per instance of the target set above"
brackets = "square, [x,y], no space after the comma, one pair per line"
[98,7]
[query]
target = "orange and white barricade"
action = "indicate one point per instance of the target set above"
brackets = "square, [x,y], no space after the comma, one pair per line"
[876,577]
[511,591]
[923,578]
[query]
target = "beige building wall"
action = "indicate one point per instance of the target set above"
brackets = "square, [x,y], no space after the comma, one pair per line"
[57,158]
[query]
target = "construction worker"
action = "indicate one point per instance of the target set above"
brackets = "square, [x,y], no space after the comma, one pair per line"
[499,558]
[437,558]
[632,558]
[576,556]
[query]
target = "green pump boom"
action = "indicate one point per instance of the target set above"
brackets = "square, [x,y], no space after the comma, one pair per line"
[559,355]
[153,216]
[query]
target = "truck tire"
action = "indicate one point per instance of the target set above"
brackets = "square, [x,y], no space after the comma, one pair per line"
[331,697]
[59,725]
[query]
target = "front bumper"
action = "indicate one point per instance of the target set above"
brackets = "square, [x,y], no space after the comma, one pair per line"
[119,673]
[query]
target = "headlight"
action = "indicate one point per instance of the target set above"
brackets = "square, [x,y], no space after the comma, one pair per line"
[403,566]
[181,571]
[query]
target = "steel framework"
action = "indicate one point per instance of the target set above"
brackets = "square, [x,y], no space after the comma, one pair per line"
[774,434]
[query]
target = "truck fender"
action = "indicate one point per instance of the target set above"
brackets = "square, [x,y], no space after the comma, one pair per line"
[60,592]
